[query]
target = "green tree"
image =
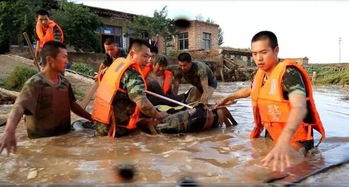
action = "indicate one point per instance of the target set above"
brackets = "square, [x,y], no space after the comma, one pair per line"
[17,16]
[159,24]
[79,26]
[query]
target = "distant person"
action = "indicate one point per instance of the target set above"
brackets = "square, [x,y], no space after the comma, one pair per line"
[112,52]
[46,30]
[282,101]
[46,100]
[199,75]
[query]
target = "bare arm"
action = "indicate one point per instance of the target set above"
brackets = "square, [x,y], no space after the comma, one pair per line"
[281,153]
[149,110]
[205,94]
[8,140]
[175,86]
[78,110]
[230,99]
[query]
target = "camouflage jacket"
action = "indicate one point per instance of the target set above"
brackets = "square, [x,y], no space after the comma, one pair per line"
[47,106]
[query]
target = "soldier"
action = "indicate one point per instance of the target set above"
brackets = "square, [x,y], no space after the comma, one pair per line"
[46,30]
[46,100]
[120,97]
[282,101]
[197,74]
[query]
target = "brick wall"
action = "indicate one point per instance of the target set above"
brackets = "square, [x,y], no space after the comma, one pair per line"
[195,34]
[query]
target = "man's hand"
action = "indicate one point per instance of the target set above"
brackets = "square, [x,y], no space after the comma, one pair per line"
[224,102]
[8,142]
[161,115]
[282,152]
[279,156]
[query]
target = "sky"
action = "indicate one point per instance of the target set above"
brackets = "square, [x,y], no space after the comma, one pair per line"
[304,28]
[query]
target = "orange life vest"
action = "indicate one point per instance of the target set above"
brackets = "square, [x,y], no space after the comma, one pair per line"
[45,34]
[166,85]
[108,87]
[271,110]
[146,70]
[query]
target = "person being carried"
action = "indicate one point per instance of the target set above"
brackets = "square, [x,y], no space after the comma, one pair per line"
[120,97]
[197,74]
[282,101]
[46,30]
[46,100]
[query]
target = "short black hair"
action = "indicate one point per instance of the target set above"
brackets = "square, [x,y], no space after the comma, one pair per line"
[42,12]
[154,49]
[51,49]
[184,57]
[161,60]
[136,44]
[263,35]
[109,41]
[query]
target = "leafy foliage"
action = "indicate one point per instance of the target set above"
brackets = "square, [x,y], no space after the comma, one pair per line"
[83,68]
[17,16]
[18,77]
[159,24]
[79,26]
[329,74]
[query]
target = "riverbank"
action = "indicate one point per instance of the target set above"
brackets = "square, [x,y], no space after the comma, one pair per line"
[337,74]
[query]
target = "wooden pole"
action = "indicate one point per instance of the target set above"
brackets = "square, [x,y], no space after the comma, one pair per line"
[31,50]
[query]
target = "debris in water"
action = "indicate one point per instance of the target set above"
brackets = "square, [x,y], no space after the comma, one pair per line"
[187,182]
[126,171]
[32,174]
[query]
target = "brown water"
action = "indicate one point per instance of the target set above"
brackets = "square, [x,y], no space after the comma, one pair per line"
[224,155]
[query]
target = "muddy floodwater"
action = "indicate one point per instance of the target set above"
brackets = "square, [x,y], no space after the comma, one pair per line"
[224,155]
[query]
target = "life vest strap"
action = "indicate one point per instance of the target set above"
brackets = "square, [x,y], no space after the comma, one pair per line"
[112,130]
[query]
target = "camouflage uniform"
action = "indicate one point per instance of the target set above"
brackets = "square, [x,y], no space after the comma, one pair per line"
[190,120]
[124,103]
[292,82]
[47,106]
[200,72]
[57,34]
[176,71]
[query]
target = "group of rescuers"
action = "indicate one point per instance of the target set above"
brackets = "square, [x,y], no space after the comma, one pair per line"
[281,93]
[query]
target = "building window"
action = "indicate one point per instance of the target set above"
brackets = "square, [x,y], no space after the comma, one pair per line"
[207,41]
[183,41]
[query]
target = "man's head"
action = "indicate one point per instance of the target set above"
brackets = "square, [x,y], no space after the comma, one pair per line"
[159,64]
[55,56]
[184,62]
[111,48]
[265,49]
[153,52]
[139,51]
[42,17]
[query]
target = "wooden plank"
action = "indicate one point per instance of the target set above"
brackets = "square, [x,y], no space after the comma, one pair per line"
[312,166]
